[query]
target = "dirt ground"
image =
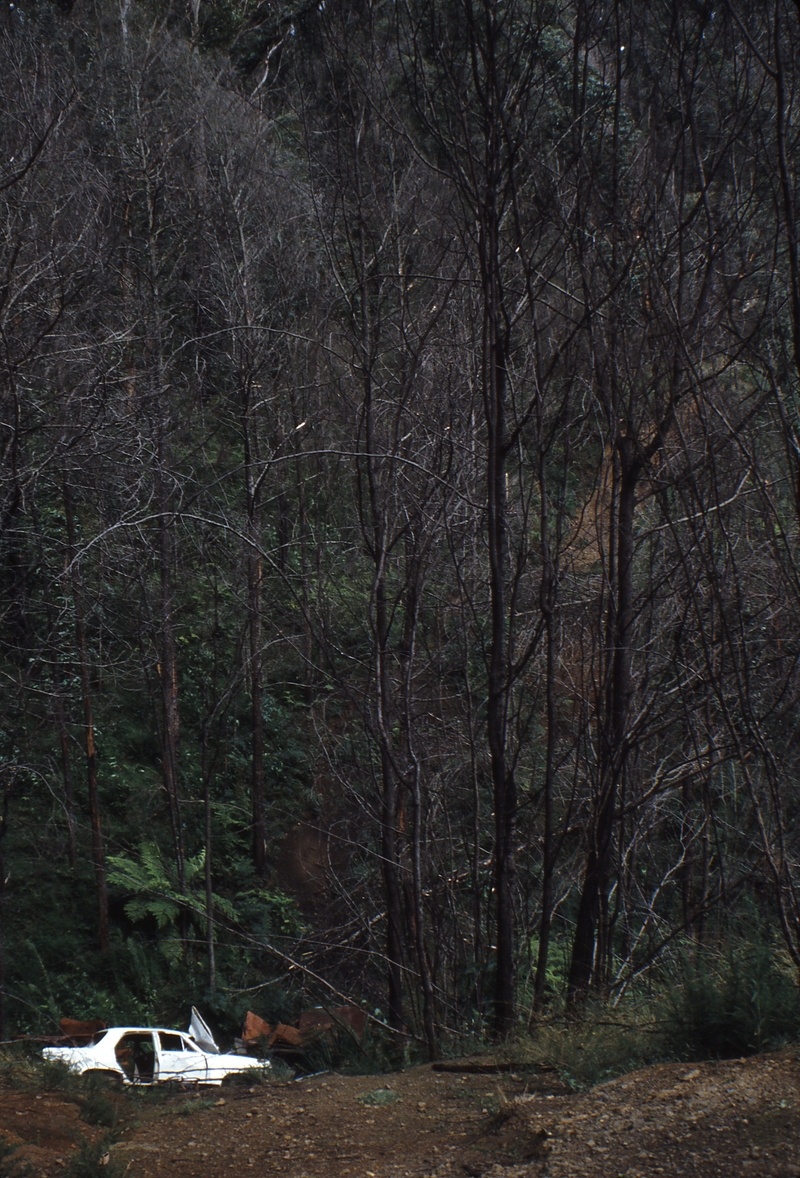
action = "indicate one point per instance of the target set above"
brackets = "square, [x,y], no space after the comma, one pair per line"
[720,1119]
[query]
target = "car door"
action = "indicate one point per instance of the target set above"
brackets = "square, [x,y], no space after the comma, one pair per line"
[179,1059]
[135,1054]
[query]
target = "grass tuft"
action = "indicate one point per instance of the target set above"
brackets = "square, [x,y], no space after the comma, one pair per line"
[379,1097]
[194,1104]
[590,1050]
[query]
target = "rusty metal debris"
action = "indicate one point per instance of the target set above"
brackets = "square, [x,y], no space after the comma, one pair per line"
[312,1025]
[79,1033]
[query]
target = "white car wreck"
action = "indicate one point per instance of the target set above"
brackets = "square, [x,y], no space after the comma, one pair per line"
[154,1055]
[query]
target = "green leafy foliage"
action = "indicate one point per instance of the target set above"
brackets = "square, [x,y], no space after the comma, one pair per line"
[734,1002]
[594,1048]
[156,892]
[95,1159]
[98,1109]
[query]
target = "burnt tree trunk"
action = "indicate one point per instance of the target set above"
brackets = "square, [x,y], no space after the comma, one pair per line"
[98,852]
[389,804]
[169,687]
[547,607]
[590,947]
[494,389]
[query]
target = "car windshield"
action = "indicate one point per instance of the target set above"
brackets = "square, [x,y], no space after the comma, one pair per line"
[98,1038]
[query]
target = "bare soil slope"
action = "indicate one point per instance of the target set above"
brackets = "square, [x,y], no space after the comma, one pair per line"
[44,1127]
[723,1119]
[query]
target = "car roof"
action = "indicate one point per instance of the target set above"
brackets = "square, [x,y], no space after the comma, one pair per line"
[148,1031]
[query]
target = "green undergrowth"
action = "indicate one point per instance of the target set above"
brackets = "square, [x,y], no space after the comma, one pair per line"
[94,1159]
[592,1049]
[30,1073]
[97,1107]
[249,1078]
[733,1001]
[716,1001]
[582,1050]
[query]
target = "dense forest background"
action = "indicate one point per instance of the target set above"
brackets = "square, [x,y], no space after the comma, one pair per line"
[399,505]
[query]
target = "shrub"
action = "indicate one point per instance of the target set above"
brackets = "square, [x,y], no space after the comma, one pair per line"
[249,1078]
[34,1074]
[94,1160]
[589,1050]
[97,1109]
[734,1003]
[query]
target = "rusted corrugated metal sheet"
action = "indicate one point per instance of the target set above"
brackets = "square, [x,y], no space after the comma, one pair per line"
[81,1033]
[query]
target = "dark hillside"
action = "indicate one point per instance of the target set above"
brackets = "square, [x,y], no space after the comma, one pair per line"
[400,513]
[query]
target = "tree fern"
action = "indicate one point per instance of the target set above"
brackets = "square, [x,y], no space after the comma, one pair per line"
[152,885]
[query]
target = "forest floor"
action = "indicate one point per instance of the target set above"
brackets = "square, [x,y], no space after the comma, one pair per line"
[712,1119]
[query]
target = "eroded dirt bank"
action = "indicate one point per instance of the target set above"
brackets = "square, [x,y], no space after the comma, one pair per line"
[725,1119]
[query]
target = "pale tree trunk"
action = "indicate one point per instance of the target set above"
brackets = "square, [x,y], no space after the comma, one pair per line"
[205,769]
[7,787]
[255,579]
[66,770]
[254,473]
[255,585]
[59,711]
[305,575]
[375,525]
[390,798]
[413,596]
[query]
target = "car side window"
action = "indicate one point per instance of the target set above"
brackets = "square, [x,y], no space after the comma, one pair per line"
[171,1042]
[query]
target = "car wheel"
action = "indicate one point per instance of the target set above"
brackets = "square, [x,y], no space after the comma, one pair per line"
[103,1078]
